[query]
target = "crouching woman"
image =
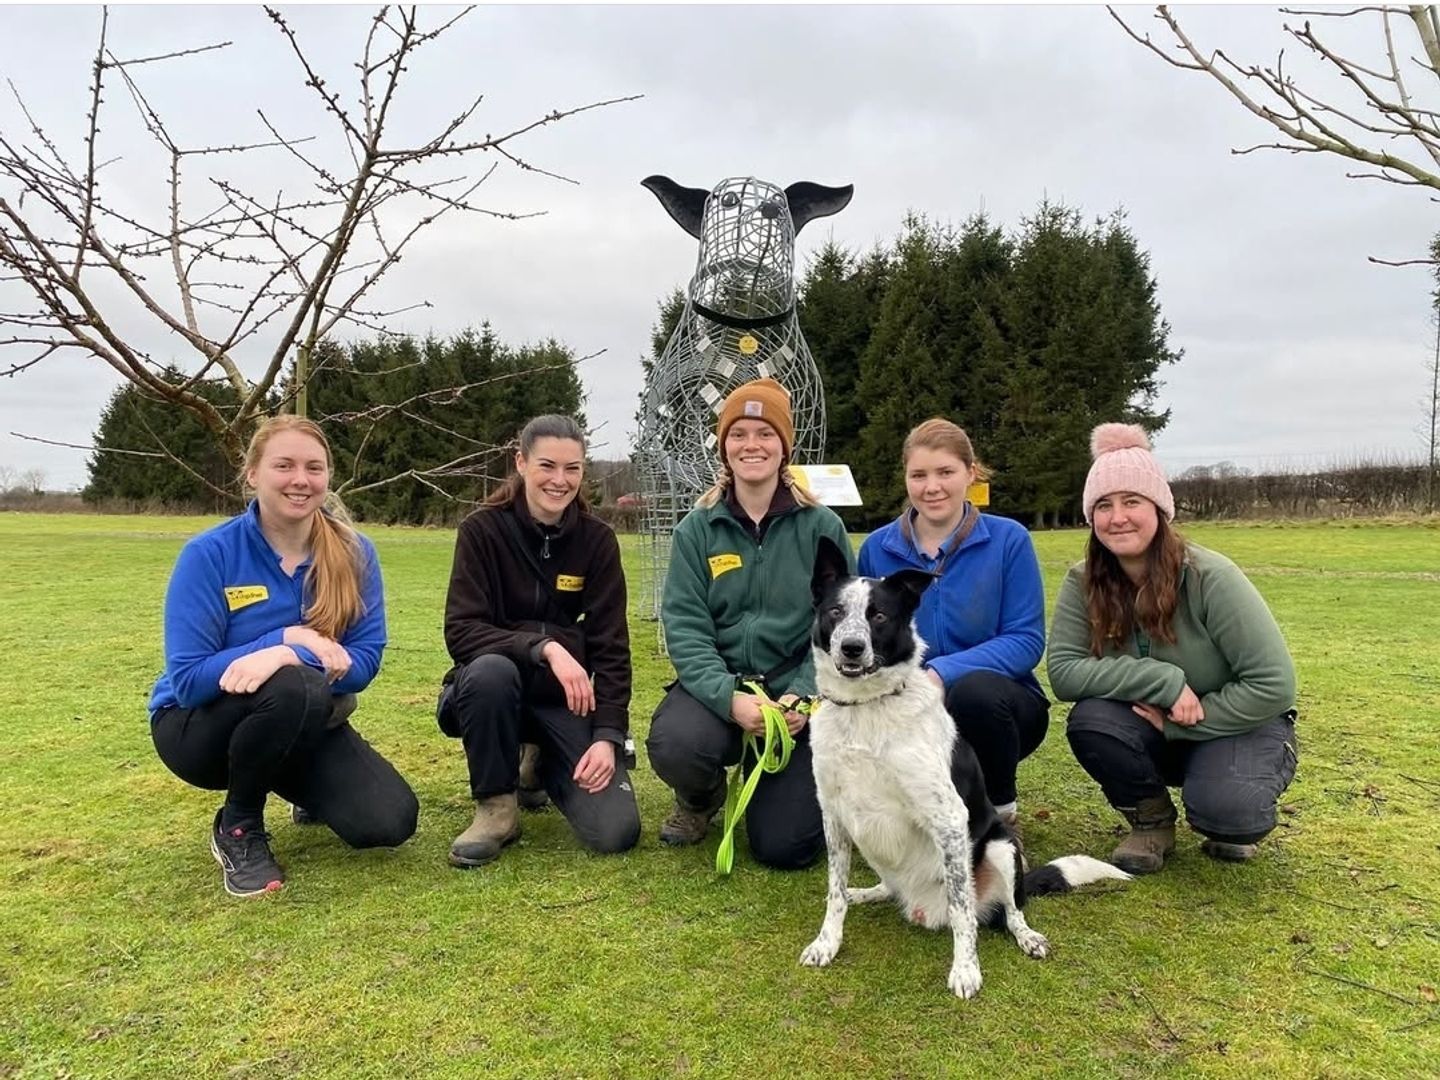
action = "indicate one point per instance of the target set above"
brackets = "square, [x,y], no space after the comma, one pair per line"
[536,608]
[274,621]
[1179,672]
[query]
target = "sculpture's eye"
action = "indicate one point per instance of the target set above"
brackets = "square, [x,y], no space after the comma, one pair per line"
[769,210]
[729,199]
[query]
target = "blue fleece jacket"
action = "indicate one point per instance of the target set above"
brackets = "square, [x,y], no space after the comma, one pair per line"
[987,610]
[228,597]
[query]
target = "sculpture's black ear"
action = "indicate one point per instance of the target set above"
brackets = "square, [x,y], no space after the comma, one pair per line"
[809,201]
[685,204]
[830,567]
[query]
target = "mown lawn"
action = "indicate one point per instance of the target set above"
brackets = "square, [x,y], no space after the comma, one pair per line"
[121,956]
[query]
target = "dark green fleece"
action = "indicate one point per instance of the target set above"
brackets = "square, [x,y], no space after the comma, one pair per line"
[734,607]
[1228,649]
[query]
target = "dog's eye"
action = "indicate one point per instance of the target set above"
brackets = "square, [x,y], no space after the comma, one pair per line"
[836,612]
[879,617]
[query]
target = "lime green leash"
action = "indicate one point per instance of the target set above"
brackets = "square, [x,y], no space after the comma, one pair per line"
[771,758]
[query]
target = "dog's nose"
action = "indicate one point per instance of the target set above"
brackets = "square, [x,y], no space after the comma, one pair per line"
[852,648]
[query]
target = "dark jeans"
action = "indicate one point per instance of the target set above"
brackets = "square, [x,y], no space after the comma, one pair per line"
[690,749]
[1003,721]
[284,738]
[488,708]
[1229,785]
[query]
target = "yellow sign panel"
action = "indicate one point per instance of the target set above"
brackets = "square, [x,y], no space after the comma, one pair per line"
[242,596]
[723,564]
[979,493]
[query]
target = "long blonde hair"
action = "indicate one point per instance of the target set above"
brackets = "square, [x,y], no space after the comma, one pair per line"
[332,584]
[725,480]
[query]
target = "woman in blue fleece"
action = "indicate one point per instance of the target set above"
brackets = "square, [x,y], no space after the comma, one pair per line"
[274,621]
[983,621]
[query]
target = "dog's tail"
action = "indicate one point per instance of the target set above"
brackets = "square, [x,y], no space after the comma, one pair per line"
[1070,873]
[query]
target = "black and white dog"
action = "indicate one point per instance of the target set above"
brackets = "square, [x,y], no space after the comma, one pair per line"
[883,745]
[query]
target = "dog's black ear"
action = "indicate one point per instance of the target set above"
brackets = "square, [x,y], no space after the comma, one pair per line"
[809,201]
[830,567]
[685,204]
[911,585]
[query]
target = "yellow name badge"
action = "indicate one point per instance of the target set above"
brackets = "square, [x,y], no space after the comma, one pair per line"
[723,564]
[241,596]
[569,583]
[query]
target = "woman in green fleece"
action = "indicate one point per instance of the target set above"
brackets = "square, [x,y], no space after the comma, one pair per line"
[1180,675]
[736,609]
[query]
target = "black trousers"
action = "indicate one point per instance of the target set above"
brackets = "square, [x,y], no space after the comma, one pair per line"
[284,738]
[1004,723]
[488,707]
[690,748]
[1229,785]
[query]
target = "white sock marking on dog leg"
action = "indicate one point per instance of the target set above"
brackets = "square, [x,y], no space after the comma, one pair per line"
[1001,855]
[953,836]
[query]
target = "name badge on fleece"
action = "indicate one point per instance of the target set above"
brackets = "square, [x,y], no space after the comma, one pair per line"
[569,583]
[242,596]
[723,564]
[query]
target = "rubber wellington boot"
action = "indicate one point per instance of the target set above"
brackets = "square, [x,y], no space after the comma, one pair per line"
[1152,835]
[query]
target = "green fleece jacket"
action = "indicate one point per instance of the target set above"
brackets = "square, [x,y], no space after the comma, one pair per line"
[1227,648]
[733,608]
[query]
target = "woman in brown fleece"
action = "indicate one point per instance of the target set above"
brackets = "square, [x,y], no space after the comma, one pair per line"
[535,611]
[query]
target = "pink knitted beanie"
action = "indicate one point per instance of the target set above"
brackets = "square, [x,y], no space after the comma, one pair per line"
[1123,462]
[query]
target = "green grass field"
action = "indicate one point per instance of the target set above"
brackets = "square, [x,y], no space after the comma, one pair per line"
[121,956]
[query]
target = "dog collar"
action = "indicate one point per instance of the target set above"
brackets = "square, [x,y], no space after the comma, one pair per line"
[736,322]
[881,697]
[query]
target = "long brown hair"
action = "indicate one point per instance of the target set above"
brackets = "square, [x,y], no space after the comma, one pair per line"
[937,433]
[1116,605]
[332,584]
[549,426]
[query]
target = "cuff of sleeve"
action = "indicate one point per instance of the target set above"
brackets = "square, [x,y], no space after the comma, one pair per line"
[276,637]
[609,734]
[308,658]
[536,649]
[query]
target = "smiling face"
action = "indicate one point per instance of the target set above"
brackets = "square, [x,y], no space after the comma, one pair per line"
[291,478]
[754,451]
[552,472]
[1125,523]
[936,481]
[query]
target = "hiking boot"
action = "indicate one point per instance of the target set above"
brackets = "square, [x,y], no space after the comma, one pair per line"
[300,816]
[1152,835]
[685,826]
[244,857]
[1226,852]
[497,823]
[531,794]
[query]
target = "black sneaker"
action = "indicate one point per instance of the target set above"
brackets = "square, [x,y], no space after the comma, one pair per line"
[244,856]
[300,816]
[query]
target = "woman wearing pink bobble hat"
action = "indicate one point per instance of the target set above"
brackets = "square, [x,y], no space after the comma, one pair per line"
[1180,676]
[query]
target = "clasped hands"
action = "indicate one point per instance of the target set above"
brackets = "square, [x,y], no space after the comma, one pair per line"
[1187,711]
[246,674]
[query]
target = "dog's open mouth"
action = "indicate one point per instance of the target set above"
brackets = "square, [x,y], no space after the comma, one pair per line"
[854,669]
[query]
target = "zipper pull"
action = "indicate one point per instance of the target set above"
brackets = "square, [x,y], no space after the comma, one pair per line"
[545,545]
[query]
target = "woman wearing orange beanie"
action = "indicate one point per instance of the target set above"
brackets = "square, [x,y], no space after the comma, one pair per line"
[1179,672]
[737,608]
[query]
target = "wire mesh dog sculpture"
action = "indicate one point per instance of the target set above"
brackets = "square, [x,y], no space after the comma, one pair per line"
[738,324]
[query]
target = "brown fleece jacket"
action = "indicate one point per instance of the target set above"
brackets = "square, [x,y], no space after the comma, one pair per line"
[496,605]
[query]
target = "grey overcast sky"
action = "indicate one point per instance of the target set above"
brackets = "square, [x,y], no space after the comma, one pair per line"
[1297,350]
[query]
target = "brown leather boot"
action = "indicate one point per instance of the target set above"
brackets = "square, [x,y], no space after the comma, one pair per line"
[686,825]
[1227,852]
[1152,835]
[497,823]
[532,793]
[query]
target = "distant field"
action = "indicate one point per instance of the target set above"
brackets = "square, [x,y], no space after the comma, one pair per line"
[121,956]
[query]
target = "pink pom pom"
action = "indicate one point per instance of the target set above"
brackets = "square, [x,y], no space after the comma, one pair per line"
[1108,437]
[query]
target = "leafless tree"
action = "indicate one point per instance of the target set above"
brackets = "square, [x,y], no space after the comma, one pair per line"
[261,278]
[1379,110]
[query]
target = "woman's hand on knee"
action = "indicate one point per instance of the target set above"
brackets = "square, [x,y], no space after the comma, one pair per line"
[248,673]
[329,652]
[1151,714]
[596,767]
[573,679]
[1187,710]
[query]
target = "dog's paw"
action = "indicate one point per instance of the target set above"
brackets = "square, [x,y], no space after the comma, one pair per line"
[819,952]
[1033,943]
[965,979]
